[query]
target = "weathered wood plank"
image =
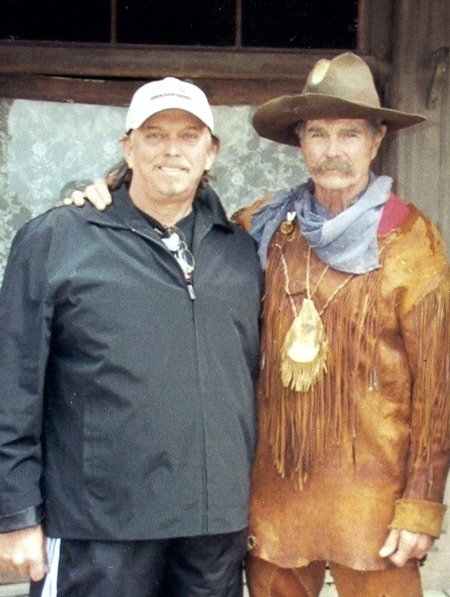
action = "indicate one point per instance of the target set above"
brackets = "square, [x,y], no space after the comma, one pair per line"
[419,157]
[90,60]
[93,74]
[118,92]
[83,60]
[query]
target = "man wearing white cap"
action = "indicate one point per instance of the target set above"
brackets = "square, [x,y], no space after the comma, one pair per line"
[127,365]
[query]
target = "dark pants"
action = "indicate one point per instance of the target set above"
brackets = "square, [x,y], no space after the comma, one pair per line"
[205,566]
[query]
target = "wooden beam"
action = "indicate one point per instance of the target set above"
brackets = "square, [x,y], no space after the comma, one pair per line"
[118,92]
[83,60]
[109,75]
[66,89]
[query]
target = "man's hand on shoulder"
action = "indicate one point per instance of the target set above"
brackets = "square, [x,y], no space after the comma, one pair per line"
[96,193]
[23,553]
[402,545]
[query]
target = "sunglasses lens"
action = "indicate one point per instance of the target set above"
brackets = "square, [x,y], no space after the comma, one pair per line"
[173,241]
[176,244]
[186,260]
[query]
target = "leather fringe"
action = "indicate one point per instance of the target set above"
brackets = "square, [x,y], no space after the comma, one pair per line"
[326,407]
[432,386]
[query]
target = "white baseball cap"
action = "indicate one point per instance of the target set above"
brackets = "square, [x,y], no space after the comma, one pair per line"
[167,94]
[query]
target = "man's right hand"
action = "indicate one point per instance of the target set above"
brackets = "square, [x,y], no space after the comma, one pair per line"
[23,553]
[96,193]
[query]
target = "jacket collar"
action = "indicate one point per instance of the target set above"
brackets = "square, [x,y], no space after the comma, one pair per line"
[122,213]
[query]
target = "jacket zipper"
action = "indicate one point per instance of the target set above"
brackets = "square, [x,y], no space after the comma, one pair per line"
[188,278]
[190,287]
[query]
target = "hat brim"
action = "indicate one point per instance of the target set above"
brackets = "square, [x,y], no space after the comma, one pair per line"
[276,118]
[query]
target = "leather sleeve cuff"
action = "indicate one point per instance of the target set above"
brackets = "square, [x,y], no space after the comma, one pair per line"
[21,520]
[418,516]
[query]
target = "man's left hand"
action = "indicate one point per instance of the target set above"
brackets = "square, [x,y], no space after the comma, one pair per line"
[401,546]
[96,193]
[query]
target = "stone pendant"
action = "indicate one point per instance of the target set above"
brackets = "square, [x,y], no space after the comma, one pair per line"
[305,349]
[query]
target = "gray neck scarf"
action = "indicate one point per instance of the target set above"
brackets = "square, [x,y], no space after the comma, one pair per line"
[346,242]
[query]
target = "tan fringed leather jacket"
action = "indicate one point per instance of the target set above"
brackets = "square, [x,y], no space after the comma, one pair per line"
[366,449]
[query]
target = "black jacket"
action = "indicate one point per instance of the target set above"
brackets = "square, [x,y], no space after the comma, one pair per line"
[126,407]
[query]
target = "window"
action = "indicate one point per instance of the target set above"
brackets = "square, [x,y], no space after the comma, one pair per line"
[55,20]
[299,24]
[171,22]
[217,23]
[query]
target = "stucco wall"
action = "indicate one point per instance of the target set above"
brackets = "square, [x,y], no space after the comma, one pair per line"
[46,146]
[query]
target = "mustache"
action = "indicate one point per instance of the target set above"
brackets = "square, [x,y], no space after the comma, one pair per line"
[333,164]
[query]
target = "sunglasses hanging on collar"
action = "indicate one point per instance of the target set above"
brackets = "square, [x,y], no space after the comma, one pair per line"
[175,241]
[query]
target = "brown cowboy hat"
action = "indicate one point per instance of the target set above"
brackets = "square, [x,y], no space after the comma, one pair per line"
[338,88]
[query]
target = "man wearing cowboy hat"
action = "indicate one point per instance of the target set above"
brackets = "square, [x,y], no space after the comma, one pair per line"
[353,393]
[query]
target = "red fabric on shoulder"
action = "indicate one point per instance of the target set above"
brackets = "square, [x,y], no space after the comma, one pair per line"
[394,212]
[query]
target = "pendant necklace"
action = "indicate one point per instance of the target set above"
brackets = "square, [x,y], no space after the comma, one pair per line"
[305,348]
